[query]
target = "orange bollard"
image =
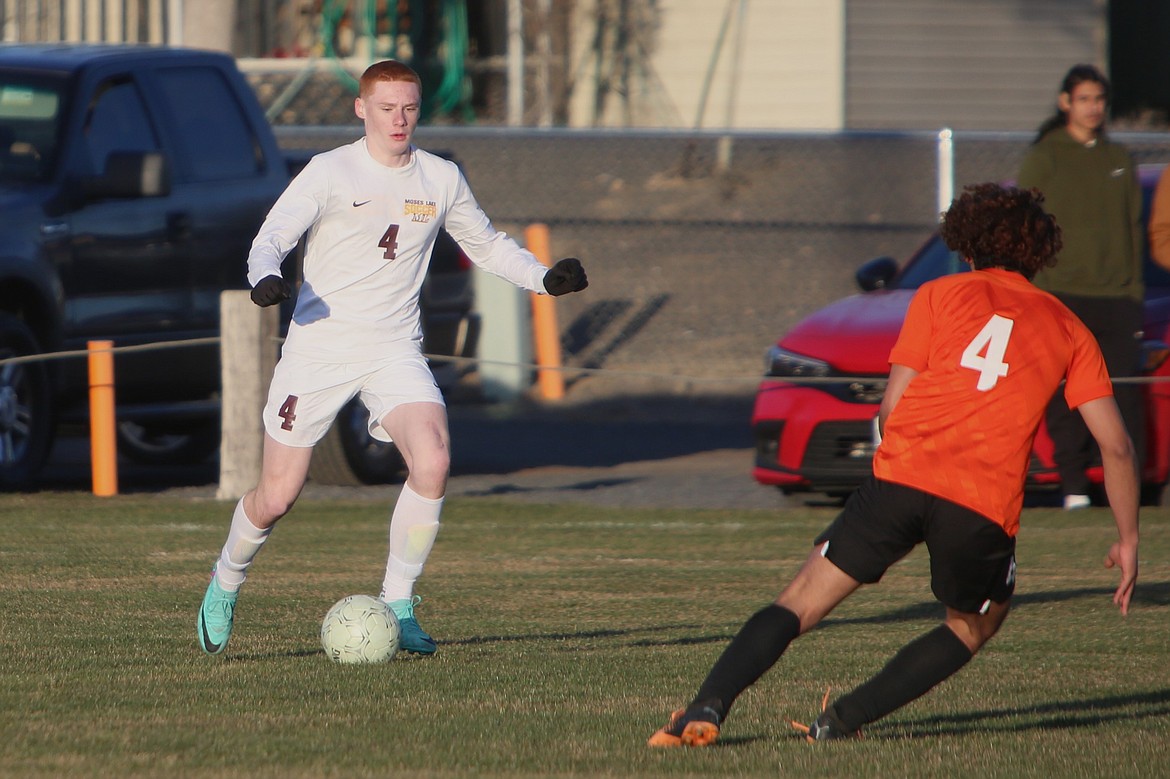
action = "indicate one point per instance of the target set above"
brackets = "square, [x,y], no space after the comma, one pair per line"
[102,440]
[546,337]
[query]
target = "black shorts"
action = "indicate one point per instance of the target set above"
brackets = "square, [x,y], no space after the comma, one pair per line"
[972,559]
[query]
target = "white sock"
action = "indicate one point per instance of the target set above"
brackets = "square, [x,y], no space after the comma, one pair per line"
[413,527]
[243,544]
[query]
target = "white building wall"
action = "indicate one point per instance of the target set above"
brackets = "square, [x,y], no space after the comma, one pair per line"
[971,65]
[773,64]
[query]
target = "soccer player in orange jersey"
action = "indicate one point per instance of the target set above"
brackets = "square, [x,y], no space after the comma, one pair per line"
[971,374]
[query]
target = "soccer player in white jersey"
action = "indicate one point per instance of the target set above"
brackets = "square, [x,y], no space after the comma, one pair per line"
[372,210]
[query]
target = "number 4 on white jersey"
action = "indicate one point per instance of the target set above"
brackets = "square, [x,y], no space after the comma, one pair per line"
[992,341]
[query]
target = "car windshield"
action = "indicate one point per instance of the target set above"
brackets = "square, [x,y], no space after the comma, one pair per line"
[30,119]
[932,261]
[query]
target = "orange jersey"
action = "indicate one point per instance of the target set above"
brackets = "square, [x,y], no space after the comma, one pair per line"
[990,350]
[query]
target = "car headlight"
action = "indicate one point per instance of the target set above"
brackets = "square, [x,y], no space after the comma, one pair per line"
[781,362]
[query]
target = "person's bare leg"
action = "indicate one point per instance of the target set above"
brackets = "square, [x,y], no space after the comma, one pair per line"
[420,432]
[815,590]
[282,476]
[283,472]
[915,670]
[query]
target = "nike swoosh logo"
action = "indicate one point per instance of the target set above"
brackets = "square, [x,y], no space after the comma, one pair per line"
[208,645]
[357,204]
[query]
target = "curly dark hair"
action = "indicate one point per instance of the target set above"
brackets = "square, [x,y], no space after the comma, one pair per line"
[1002,227]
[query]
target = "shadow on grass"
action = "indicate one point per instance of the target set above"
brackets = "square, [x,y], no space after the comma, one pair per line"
[1055,715]
[250,657]
[1151,594]
[1146,594]
[307,652]
[600,433]
[586,634]
[725,742]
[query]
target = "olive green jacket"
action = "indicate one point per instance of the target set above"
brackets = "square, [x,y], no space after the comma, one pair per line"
[1093,192]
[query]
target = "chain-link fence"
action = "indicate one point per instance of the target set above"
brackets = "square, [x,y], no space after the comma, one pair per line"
[702,249]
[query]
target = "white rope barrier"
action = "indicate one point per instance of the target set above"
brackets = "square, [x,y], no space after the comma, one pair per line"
[568,369]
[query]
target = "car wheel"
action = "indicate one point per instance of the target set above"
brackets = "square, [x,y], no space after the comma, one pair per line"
[26,405]
[167,445]
[349,456]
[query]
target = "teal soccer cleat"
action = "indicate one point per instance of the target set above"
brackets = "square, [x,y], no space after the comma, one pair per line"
[414,638]
[215,617]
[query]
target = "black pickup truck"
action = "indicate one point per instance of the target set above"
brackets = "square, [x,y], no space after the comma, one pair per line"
[132,180]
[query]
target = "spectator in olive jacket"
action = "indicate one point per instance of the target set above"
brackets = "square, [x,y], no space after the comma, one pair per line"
[1090,185]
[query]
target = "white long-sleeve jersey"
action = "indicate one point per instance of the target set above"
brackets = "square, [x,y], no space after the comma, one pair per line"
[371,229]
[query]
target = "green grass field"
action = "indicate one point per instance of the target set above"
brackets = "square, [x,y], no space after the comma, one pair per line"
[567,634]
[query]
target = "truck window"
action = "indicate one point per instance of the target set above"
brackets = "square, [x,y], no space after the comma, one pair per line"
[116,120]
[213,133]
[30,119]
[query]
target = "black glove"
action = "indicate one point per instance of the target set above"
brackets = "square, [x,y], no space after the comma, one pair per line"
[565,277]
[270,290]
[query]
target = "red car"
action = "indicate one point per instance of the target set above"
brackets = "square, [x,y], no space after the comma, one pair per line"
[814,412]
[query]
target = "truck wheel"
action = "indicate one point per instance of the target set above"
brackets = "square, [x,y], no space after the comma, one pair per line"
[26,406]
[163,445]
[348,456]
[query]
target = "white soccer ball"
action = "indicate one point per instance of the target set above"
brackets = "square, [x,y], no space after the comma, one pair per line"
[360,629]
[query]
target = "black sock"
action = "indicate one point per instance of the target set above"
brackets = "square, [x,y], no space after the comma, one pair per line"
[918,667]
[754,650]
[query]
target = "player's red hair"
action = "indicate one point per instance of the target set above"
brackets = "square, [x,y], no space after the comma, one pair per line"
[386,70]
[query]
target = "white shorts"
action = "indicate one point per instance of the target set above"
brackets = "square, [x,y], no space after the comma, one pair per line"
[305,395]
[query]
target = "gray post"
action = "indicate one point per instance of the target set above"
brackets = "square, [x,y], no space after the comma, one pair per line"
[209,24]
[505,339]
[247,356]
[515,63]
